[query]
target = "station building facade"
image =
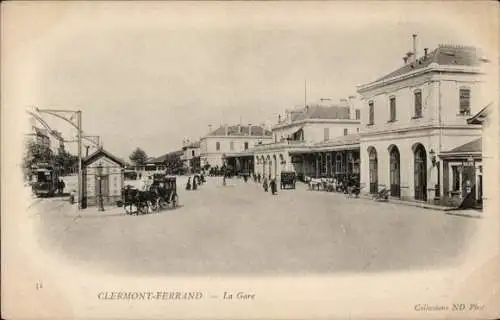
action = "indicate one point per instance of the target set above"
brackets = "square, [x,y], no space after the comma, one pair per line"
[413,115]
[304,140]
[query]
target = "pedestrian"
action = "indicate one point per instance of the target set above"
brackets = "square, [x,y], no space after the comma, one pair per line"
[265,185]
[188,184]
[62,185]
[274,188]
[258,178]
[195,185]
[224,180]
[245,177]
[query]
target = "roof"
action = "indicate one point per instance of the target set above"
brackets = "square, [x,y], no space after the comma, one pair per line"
[479,117]
[322,112]
[99,152]
[340,141]
[193,145]
[474,146]
[317,112]
[443,55]
[166,156]
[240,130]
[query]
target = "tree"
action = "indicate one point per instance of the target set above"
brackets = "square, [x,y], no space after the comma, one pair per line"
[35,153]
[138,156]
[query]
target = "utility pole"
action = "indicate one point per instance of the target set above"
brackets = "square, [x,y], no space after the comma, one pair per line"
[305,93]
[80,177]
[57,113]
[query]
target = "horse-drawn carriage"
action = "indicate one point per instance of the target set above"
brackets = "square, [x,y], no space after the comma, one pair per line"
[288,179]
[161,194]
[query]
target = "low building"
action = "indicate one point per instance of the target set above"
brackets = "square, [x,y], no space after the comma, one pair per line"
[103,177]
[169,163]
[217,144]
[413,115]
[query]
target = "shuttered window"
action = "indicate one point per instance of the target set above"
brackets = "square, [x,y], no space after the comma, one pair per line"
[418,104]
[371,119]
[392,107]
[465,101]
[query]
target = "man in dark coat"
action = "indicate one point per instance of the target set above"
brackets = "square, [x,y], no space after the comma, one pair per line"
[188,184]
[274,188]
[195,185]
[265,185]
[62,185]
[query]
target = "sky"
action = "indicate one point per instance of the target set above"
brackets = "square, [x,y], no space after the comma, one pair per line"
[151,75]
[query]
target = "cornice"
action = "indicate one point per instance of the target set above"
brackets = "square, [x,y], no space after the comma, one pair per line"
[433,67]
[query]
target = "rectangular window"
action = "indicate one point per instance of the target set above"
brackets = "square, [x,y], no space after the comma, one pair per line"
[345,131]
[371,119]
[231,145]
[192,153]
[455,178]
[357,129]
[326,134]
[217,146]
[465,101]
[418,104]
[392,103]
[246,145]
[358,114]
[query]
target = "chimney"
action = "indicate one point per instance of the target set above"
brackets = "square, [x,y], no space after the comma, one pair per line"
[279,118]
[414,36]
[226,130]
[249,129]
[405,59]
[352,107]
[425,51]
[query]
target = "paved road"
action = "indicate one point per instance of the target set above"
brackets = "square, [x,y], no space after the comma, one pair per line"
[239,229]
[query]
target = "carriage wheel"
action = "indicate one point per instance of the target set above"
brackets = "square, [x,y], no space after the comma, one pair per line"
[143,208]
[162,203]
[154,205]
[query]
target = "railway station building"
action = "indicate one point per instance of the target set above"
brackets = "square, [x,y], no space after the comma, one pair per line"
[314,141]
[415,118]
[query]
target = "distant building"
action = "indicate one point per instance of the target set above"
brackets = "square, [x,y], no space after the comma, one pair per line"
[191,156]
[227,140]
[415,114]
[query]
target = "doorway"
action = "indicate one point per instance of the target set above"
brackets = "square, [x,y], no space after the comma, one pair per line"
[420,173]
[373,163]
[395,172]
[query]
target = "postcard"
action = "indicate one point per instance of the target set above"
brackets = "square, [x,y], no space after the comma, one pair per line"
[250,160]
